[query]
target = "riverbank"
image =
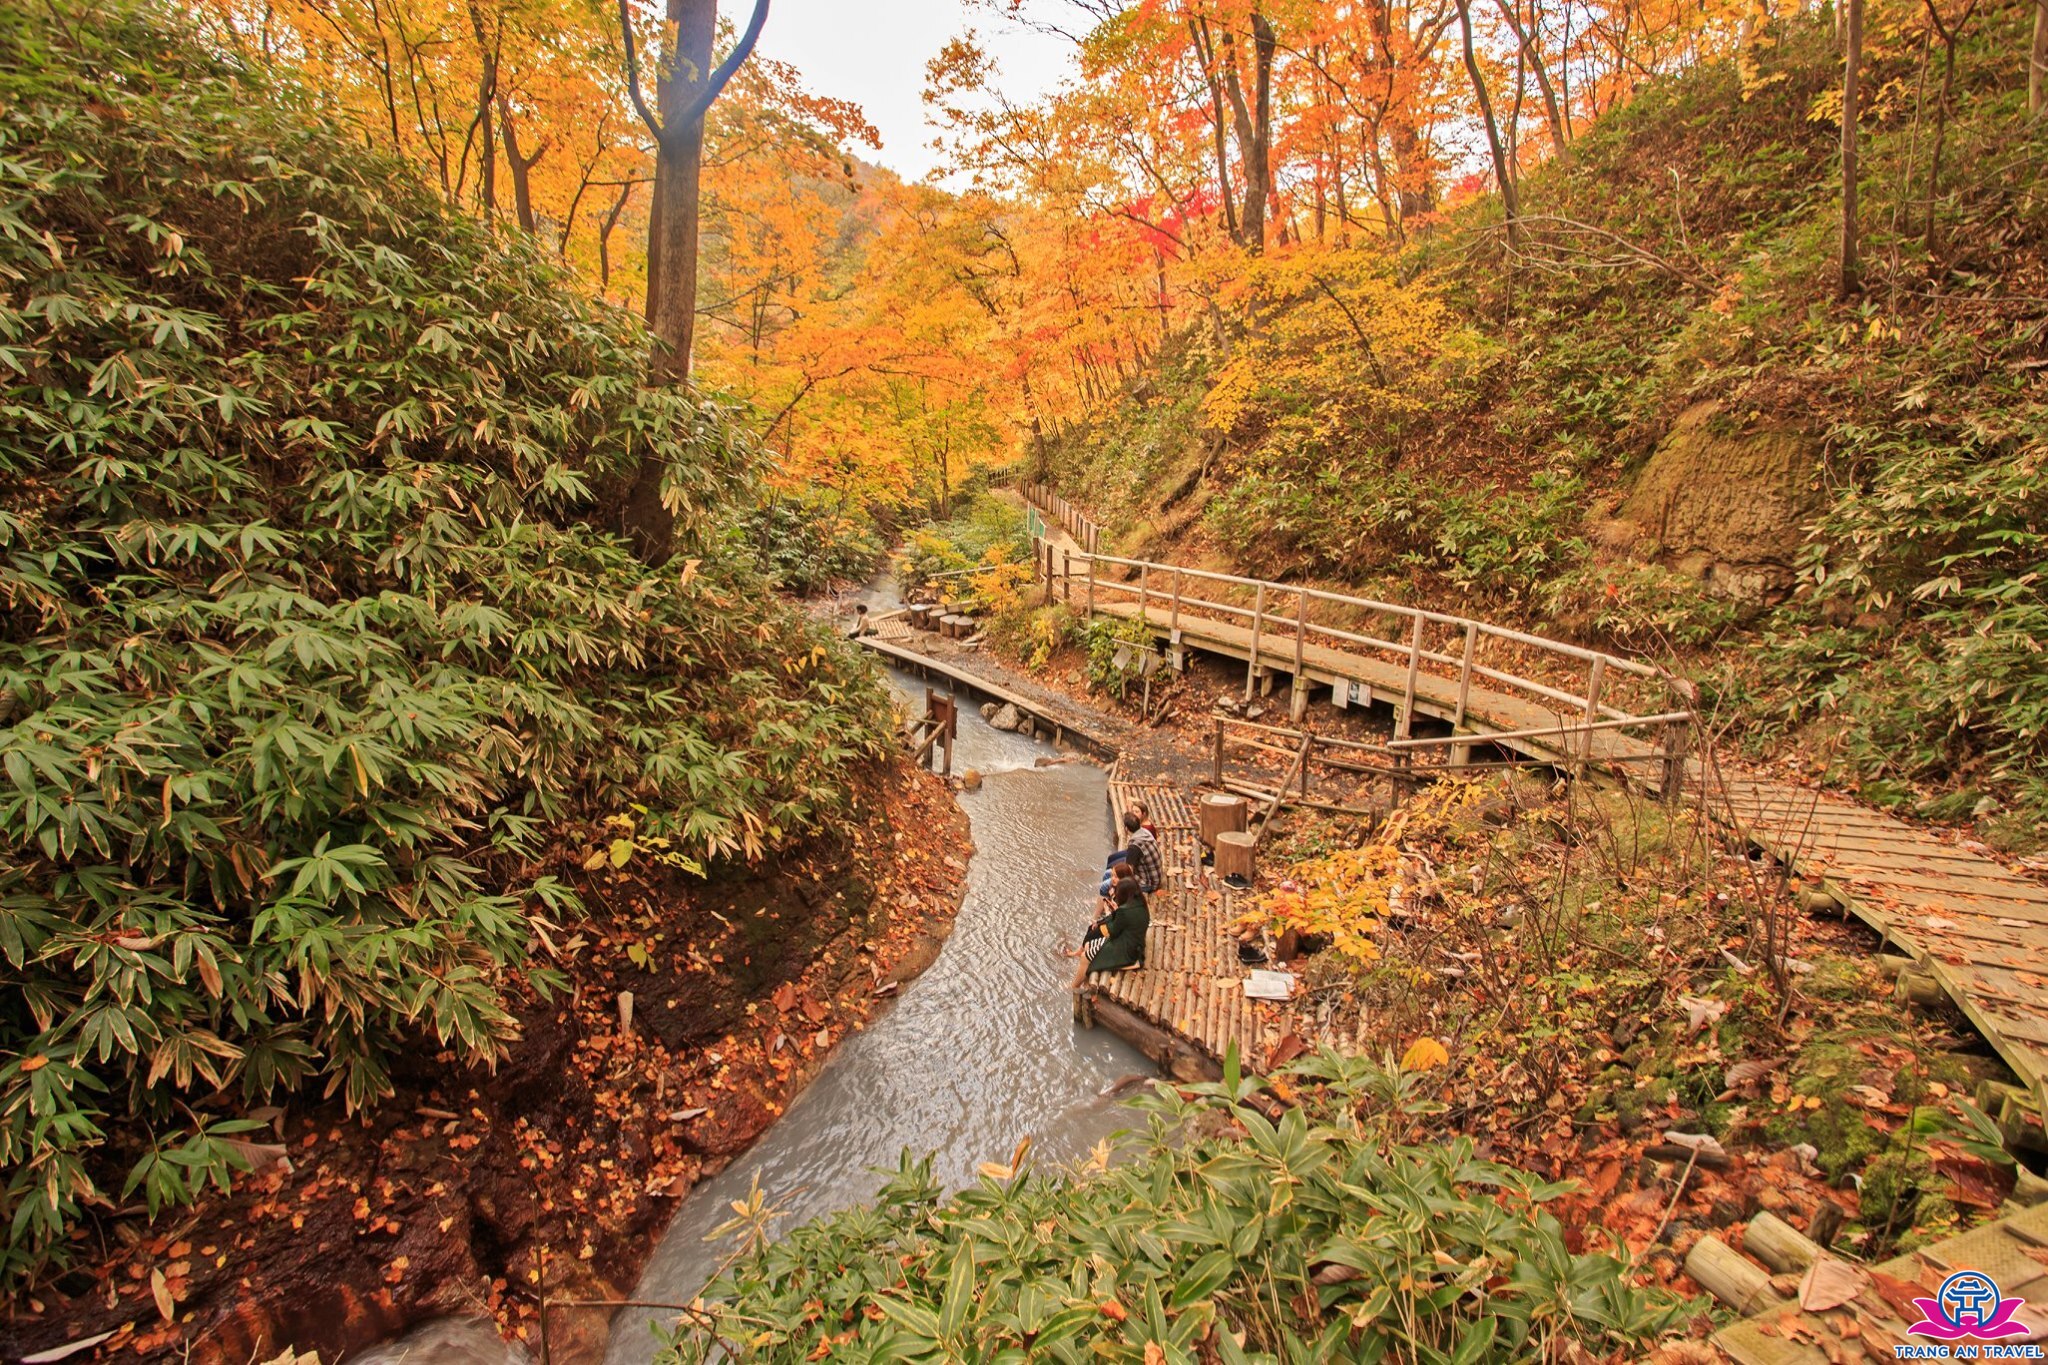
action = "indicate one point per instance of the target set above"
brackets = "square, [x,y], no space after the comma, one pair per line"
[472,1194]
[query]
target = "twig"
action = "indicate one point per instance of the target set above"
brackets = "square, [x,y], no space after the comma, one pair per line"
[1676,1194]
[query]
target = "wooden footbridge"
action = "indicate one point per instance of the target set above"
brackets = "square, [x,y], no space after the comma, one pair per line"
[1979,930]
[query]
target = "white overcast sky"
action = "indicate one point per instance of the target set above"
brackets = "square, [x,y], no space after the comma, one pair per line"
[873,53]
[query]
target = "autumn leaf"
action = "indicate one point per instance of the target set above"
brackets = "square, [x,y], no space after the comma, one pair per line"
[1424,1054]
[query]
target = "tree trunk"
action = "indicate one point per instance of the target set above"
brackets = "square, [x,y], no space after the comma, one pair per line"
[1533,54]
[685,85]
[520,166]
[2037,62]
[486,97]
[1852,62]
[1254,123]
[1501,171]
[1205,53]
[604,236]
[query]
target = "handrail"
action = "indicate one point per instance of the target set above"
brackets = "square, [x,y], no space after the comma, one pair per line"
[1287,625]
[1076,522]
[1552,732]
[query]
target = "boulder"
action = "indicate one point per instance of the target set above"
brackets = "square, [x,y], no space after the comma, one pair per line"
[1008,717]
[988,710]
[1725,503]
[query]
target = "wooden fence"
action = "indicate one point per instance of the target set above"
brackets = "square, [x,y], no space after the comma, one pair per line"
[1085,532]
[1559,697]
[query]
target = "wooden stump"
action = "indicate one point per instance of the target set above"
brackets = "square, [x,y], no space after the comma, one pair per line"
[920,614]
[1779,1245]
[1222,814]
[1235,854]
[1730,1277]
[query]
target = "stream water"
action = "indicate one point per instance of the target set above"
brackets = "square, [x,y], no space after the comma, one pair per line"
[981,1050]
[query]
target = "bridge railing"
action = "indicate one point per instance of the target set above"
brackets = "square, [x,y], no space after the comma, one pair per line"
[1072,519]
[1587,693]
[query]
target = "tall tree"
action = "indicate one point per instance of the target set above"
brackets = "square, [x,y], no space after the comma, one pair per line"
[1852,62]
[2037,62]
[1502,172]
[685,84]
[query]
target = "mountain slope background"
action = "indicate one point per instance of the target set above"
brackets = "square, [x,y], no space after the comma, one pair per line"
[1651,422]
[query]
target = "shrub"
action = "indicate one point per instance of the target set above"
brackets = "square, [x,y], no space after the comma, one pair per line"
[809,548]
[309,661]
[1311,1238]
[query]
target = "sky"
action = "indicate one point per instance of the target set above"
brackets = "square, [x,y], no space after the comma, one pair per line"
[873,53]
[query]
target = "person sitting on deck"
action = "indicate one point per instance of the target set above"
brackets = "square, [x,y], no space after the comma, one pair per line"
[860,622]
[1120,946]
[1122,856]
[1105,905]
[1141,850]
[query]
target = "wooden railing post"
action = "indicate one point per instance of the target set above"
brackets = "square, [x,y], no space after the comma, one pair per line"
[1251,671]
[1216,765]
[1407,721]
[1674,762]
[1066,577]
[1465,673]
[1173,621]
[1044,550]
[1144,593]
[1297,699]
[1594,679]
[1091,587]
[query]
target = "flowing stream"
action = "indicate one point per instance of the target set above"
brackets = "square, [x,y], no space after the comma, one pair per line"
[979,1051]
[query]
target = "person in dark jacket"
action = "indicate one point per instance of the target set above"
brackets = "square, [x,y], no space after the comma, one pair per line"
[1117,941]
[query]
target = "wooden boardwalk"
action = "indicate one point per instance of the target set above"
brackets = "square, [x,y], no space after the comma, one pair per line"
[1980,930]
[2011,1251]
[1186,1006]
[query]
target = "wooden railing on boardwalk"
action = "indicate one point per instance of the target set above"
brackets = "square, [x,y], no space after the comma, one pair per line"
[1586,704]
[1076,523]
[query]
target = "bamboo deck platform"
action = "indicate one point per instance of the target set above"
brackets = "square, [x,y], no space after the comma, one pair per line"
[1186,1006]
[2010,1251]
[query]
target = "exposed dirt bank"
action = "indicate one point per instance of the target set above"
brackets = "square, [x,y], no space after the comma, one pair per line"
[469,1193]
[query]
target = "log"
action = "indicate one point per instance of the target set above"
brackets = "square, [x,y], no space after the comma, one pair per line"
[920,614]
[1235,854]
[1222,814]
[1728,1276]
[1917,986]
[1779,1245]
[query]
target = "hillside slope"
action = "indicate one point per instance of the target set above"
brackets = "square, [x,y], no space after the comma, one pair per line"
[1651,423]
[316,678]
